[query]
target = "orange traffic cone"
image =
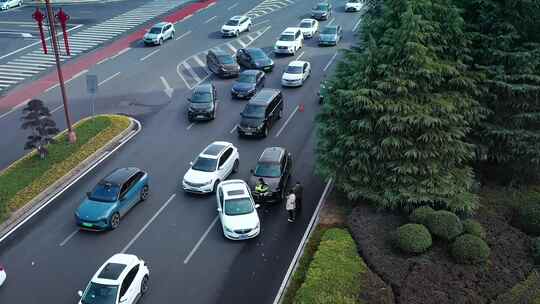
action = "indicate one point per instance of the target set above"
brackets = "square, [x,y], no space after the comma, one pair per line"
[301,107]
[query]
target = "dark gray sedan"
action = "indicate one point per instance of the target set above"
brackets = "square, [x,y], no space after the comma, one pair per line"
[330,35]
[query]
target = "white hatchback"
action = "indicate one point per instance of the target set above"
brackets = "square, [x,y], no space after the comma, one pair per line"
[3,275]
[237,210]
[309,27]
[296,73]
[236,25]
[212,166]
[7,4]
[122,279]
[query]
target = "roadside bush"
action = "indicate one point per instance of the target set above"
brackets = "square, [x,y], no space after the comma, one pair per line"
[473,227]
[413,238]
[334,273]
[470,249]
[420,215]
[535,244]
[528,218]
[444,224]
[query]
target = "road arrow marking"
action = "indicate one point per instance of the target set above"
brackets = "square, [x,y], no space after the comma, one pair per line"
[168,90]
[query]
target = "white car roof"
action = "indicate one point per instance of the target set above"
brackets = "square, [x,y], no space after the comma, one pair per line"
[238,17]
[214,149]
[297,63]
[234,188]
[307,20]
[113,271]
[291,30]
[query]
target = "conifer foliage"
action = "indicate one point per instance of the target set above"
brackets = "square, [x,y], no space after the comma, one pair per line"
[37,117]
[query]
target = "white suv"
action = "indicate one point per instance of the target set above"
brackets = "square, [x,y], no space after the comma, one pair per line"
[290,41]
[122,279]
[158,33]
[309,27]
[237,210]
[212,166]
[353,6]
[236,25]
[7,4]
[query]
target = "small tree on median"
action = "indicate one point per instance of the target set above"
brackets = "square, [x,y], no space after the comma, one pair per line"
[37,117]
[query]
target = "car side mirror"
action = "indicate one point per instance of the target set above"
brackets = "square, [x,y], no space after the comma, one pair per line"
[219,209]
[257,206]
[189,99]
[80,293]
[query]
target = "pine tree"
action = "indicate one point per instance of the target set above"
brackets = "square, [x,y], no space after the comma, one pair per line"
[393,129]
[37,117]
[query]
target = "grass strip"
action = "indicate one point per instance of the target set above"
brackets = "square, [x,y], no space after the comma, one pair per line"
[30,175]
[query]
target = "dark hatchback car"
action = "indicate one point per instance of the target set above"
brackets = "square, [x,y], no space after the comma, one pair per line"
[248,83]
[222,63]
[254,58]
[321,11]
[260,113]
[274,167]
[202,103]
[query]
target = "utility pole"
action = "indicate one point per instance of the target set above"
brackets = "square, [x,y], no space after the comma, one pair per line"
[72,137]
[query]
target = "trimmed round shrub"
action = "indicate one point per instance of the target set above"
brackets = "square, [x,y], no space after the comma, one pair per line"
[413,238]
[420,214]
[536,250]
[528,218]
[473,227]
[444,224]
[470,249]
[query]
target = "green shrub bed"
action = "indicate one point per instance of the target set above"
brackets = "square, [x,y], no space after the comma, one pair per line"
[421,214]
[413,238]
[470,249]
[528,218]
[475,228]
[444,224]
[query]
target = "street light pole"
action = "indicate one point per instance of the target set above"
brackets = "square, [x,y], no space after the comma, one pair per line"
[72,137]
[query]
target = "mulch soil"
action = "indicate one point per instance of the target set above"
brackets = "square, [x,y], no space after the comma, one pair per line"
[434,277]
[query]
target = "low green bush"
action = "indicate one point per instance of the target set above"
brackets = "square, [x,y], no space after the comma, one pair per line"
[473,227]
[420,214]
[470,249]
[413,238]
[535,248]
[334,274]
[528,218]
[444,224]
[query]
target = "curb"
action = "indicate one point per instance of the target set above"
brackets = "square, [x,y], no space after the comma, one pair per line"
[300,251]
[62,2]
[47,196]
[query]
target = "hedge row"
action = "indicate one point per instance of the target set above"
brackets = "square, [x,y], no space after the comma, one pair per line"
[30,175]
[334,274]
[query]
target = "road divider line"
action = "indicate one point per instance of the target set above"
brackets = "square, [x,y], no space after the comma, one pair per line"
[120,53]
[355,27]
[68,238]
[151,53]
[77,75]
[301,54]
[330,62]
[190,126]
[183,35]
[52,87]
[234,128]
[190,255]
[232,6]
[57,108]
[143,229]
[168,90]
[108,78]
[211,18]
[331,21]
[287,121]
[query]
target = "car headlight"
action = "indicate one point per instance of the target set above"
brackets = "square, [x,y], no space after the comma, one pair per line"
[227,229]
[207,183]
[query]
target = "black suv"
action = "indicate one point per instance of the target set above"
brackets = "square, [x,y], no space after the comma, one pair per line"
[254,58]
[247,84]
[202,103]
[261,112]
[274,167]
[222,63]
[322,11]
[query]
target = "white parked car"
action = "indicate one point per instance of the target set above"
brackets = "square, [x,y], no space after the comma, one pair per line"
[159,33]
[353,6]
[296,73]
[236,25]
[212,166]
[3,275]
[122,279]
[237,210]
[309,27]
[290,41]
[7,4]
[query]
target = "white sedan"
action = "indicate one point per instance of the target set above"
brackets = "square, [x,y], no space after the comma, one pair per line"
[7,4]
[296,73]
[2,275]
[353,6]
[237,210]
[309,27]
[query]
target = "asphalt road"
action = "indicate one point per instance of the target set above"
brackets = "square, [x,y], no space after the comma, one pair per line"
[48,260]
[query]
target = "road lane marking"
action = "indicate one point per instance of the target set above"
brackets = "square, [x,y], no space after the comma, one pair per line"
[57,108]
[192,72]
[190,255]
[330,62]
[190,125]
[183,35]
[108,78]
[287,121]
[211,18]
[355,27]
[331,21]
[301,54]
[262,22]
[168,90]
[234,128]
[148,223]
[231,47]
[68,238]
[232,6]
[152,53]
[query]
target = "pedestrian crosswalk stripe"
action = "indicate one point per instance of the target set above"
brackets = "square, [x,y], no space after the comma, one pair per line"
[20,67]
[33,62]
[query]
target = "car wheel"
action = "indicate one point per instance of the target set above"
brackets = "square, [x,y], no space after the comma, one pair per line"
[280,113]
[144,285]
[216,183]
[160,41]
[145,191]
[265,132]
[172,36]
[190,118]
[214,114]
[249,27]
[115,221]
[237,33]
[235,166]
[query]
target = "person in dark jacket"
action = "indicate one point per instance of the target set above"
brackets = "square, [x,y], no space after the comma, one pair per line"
[298,193]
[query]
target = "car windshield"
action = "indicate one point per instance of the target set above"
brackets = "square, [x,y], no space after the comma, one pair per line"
[294,69]
[253,111]
[105,192]
[238,206]
[100,294]
[232,22]
[268,170]
[305,24]
[321,7]
[201,97]
[155,30]
[257,54]
[246,78]
[329,30]
[226,59]
[286,37]
[205,164]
